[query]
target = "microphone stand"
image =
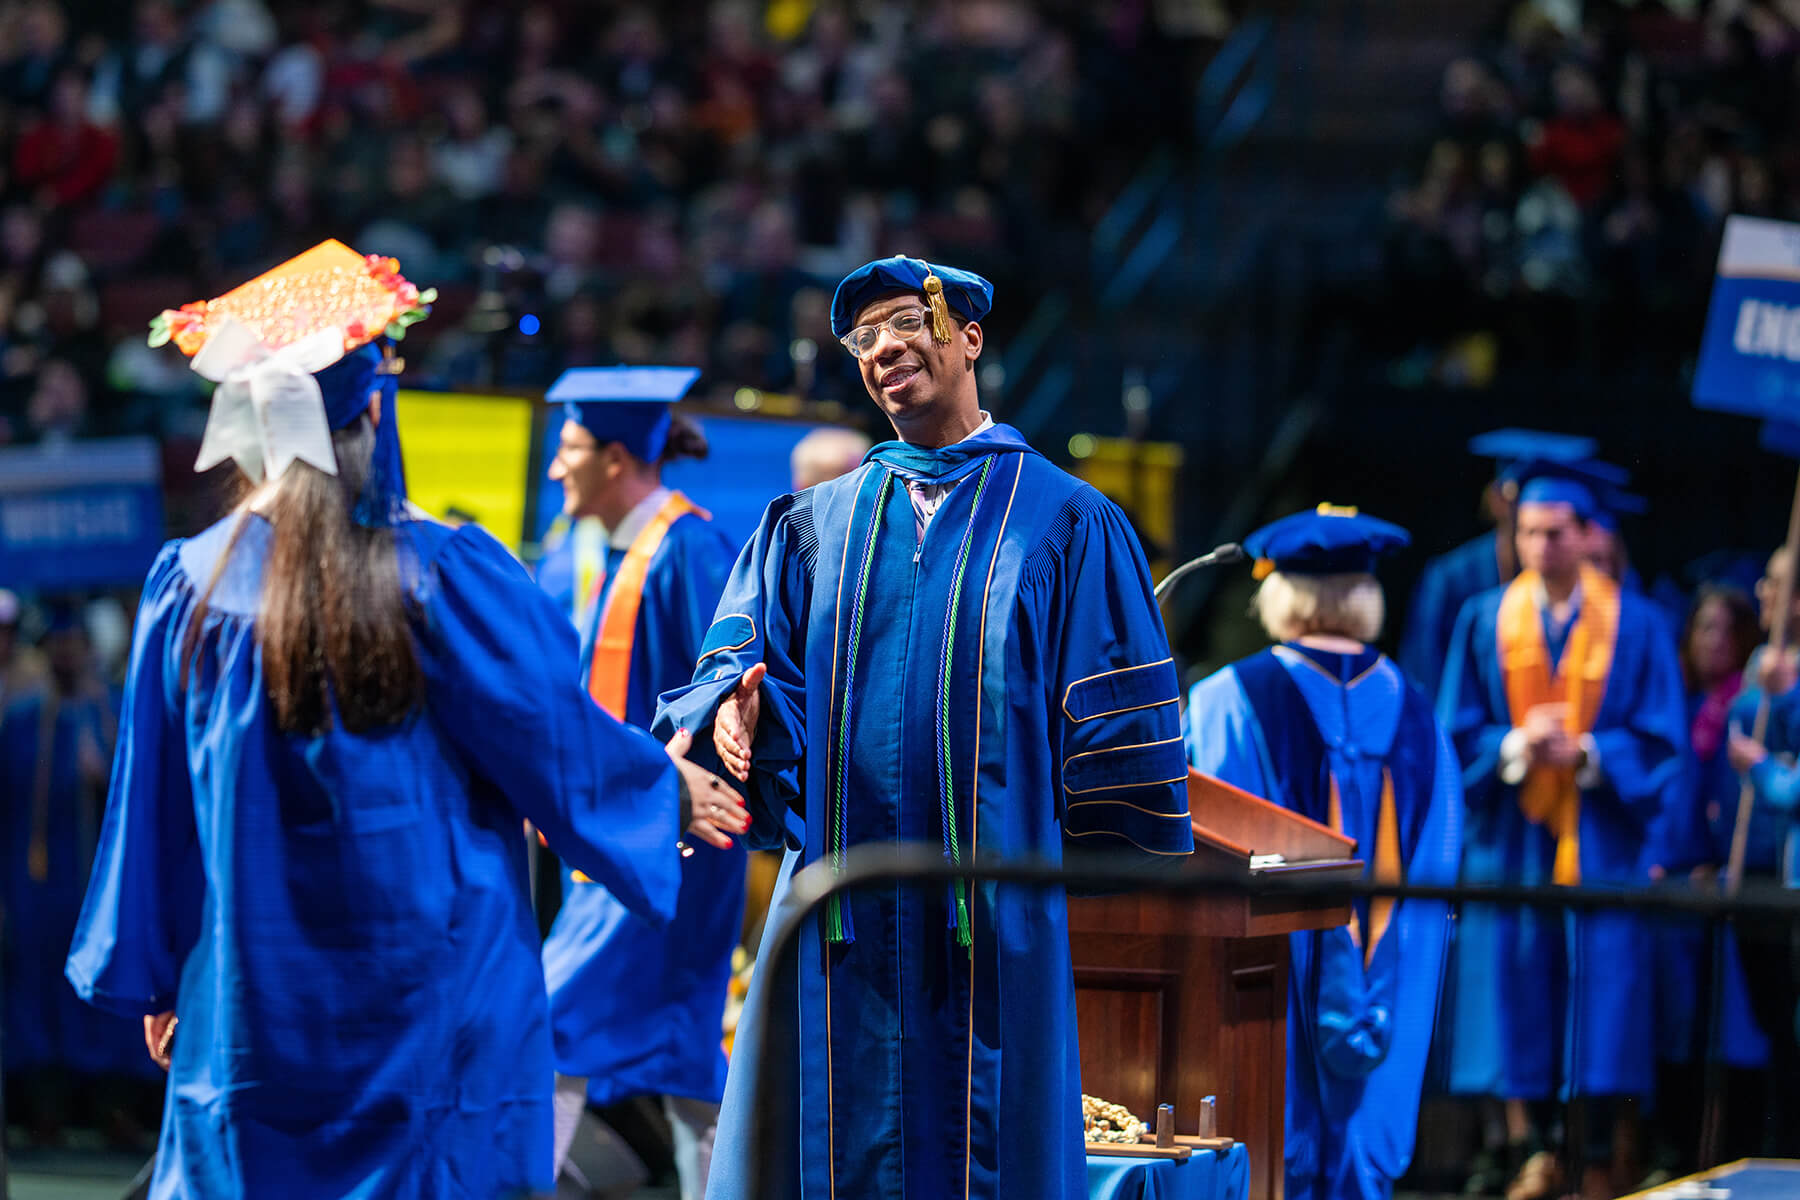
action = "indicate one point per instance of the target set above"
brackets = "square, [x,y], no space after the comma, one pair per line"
[1219,556]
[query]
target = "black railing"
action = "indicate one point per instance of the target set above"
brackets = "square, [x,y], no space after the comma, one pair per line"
[917,865]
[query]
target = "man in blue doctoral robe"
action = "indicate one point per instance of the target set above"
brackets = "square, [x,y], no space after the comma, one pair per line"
[1326,725]
[665,563]
[1564,699]
[1451,579]
[954,644]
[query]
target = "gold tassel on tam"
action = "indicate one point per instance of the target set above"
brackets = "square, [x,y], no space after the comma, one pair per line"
[940,311]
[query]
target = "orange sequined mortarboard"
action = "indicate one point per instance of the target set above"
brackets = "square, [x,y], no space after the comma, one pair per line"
[328,287]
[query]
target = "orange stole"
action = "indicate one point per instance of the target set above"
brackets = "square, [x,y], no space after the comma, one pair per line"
[1548,796]
[610,669]
[1387,865]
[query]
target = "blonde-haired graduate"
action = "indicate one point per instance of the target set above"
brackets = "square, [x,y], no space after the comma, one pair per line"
[1325,724]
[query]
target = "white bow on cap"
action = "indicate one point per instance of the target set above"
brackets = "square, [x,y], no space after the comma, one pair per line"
[267,410]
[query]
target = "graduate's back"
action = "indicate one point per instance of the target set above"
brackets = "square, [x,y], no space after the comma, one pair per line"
[339,915]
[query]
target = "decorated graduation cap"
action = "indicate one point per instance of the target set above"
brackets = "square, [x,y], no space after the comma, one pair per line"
[946,290]
[1511,447]
[296,352]
[1580,483]
[1327,540]
[628,405]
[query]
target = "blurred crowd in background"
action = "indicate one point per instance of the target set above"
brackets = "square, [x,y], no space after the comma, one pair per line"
[590,182]
[1587,157]
[584,182]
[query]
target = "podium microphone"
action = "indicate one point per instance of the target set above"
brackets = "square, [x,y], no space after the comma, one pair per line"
[1218,556]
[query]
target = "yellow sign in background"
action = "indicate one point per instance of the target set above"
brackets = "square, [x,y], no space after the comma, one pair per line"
[468,458]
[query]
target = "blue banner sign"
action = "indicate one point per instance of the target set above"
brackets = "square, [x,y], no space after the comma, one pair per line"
[1750,353]
[79,515]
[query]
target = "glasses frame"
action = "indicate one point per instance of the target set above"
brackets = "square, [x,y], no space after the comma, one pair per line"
[924,319]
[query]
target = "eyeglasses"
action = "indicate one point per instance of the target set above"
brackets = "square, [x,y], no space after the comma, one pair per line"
[906,324]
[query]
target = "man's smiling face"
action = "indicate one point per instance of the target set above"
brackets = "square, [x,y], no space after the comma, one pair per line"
[911,378]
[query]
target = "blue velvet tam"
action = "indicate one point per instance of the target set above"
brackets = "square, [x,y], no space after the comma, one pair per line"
[1327,540]
[1579,483]
[1614,503]
[964,293]
[345,387]
[1511,447]
[627,405]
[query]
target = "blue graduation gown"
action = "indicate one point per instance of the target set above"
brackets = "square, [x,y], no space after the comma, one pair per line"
[341,922]
[1358,1039]
[1447,583]
[1774,837]
[1542,1000]
[634,1006]
[1686,835]
[993,690]
[46,1024]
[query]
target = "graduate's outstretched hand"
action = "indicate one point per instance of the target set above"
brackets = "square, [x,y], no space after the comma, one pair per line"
[159,1038]
[715,811]
[734,729]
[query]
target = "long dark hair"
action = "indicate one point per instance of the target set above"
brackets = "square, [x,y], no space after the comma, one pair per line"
[333,623]
[1746,630]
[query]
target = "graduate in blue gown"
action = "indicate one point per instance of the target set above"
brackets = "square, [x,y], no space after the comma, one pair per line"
[1565,703]
[55,746]
[1327,725]
[1703,1015]
[311,880]
[665,564]
[954,644]
[1452,578]
[1771,956]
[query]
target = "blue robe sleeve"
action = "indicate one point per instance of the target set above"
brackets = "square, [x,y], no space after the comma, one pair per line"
[1123,773]
[1223,739]
[1463,703]
[495,649]
[1641,758]
[1389,1113]
[761,617]
[141,915]
[689,598]
[1429,628]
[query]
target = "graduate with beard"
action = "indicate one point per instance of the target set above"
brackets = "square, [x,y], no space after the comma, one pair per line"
[1448,581]
[954,644]
[1564,698]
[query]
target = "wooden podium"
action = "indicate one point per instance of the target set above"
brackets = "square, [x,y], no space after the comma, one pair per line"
[1180,997]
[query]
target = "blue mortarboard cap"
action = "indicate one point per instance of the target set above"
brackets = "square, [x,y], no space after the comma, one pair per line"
[964,293]
[1327,540]
[1509,447]
[1616,502]
[1580,483]
[628,405]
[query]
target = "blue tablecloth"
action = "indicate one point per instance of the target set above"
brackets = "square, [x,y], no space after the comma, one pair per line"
[1207,1175]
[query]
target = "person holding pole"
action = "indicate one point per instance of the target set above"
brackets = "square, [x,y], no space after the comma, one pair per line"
[1565,702]
[1771,842]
